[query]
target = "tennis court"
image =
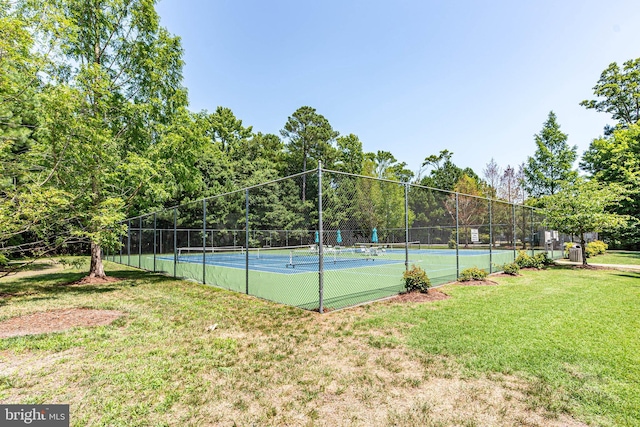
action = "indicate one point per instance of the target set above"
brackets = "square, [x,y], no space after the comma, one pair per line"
[289,275]
[360,222]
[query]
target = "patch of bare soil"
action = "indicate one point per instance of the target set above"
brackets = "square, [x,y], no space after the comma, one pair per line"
[504,275]
[432,295]
[56,321]
[95,280]
[15,294]
[477,283]
[592,267]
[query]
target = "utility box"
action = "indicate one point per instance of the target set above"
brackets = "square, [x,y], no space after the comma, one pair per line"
[575,253]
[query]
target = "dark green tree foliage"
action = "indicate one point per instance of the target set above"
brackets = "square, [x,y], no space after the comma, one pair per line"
[552,162]
[585,206]
[428,205]
[310,138]
[34,216]
[111,111]
[351,156]
[444,174]
[618,93]
[616,160]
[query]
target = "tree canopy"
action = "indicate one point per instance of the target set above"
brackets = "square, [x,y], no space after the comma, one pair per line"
[584,206]
[552,162]
[618,93]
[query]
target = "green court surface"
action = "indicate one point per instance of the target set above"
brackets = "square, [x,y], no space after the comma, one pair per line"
[349,278]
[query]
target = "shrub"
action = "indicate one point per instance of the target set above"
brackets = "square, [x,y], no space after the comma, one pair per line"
[4,261]
[524,260]
[543,260]
[473,273]
[597,247]
[415,279]
[511,268]
[451,244]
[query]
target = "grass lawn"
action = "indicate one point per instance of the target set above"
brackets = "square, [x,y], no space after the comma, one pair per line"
[550,348]
[617,257]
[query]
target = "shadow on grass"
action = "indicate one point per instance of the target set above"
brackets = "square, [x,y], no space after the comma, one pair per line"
[49,285]
[630,275]
[32,266]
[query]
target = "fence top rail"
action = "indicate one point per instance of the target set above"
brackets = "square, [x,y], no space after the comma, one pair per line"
[411,184]
[313,171]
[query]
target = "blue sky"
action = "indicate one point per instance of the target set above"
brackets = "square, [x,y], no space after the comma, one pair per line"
[410,77]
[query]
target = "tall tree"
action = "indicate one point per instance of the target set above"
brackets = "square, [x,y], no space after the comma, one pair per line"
[310,138]
[582,207]
[511,185]
[351,155]
[492,174]
[225,129]
[443,173]
[552,162]
[108,110]
[616,159]
[618,93]
[471,208]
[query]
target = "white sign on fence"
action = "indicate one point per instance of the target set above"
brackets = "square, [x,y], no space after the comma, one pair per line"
[474,235]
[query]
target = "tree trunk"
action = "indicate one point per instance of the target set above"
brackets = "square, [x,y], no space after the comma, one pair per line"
[583,248]
[96,269]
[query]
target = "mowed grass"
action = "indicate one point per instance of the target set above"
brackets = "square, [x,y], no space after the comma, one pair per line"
[617,257]
[574,333]
[549,348]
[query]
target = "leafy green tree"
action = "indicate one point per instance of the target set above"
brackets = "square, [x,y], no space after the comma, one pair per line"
[310,138]
[108,111]
[225,129]
[381,203]
[32,218]
[552,162]
[584,206]
[618,93]
[444,174]
[616,159]
[350,156]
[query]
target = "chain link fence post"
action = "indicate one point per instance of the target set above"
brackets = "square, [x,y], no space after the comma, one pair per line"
[155,241]
[406,226]
[140,243]
[204,241]
[320,243]
[129,242]
[457,239]
[121,245]
[490,239]
[175,242]
[532,234]
[246,241]
[513,214]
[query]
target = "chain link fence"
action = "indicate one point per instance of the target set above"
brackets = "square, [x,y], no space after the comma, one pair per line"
[325,240]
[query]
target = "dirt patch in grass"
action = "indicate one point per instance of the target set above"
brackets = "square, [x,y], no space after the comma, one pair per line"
[348,375]
[477,283]
[432,295]
[15,294]
[56,321]
[504,275]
